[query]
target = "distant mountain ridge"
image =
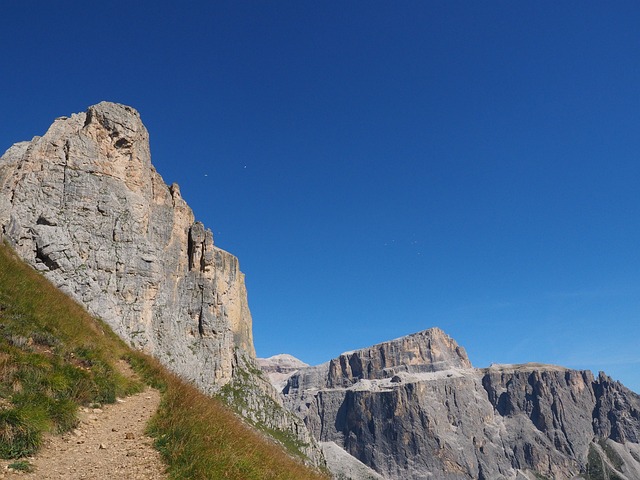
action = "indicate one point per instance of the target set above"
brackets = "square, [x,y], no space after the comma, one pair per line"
[415,408]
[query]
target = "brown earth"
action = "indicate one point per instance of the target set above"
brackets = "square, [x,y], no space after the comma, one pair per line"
[109,443]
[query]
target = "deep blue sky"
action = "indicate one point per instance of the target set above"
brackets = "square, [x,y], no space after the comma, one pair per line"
[380,167]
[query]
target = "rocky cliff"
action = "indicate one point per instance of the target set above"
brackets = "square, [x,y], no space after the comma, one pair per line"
[84,205]
[414,408]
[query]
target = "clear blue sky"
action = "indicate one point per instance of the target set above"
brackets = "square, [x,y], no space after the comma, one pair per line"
[380,167]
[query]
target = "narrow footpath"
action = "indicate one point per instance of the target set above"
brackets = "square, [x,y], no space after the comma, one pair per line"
[109,443]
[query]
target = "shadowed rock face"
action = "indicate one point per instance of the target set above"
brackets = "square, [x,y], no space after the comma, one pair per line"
[84,205]
[437,417]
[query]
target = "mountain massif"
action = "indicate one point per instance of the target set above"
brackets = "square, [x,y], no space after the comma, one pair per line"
[84,205]
[415,408]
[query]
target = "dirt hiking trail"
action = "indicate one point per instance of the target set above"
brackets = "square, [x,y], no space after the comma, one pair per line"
[109,443]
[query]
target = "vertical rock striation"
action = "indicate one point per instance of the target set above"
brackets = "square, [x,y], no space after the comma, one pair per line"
[414,408]
[84,205]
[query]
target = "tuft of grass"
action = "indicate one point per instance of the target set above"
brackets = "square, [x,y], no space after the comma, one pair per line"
[21,466]
[54,357]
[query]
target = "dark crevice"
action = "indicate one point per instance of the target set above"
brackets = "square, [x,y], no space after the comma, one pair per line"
[201,321]
[190,248]
[122,143]
[66,148]
[88,118]
[43,221]
[202,259]
[46,259]
[201,316]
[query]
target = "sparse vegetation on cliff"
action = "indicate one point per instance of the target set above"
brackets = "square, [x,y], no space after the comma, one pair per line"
[55,357]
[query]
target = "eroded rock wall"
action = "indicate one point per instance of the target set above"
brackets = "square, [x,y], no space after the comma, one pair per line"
[437,417]
[84,205]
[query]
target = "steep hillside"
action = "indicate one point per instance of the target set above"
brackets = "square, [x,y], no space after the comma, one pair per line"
[55,357]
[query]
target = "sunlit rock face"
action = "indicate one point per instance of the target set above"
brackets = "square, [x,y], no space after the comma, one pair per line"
[415,408]
[84,205]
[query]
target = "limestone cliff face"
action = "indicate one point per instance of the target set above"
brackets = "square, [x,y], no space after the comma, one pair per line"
[426,413]
[84,205]
[427,351]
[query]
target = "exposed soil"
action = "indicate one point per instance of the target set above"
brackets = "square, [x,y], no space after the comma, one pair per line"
[109,443]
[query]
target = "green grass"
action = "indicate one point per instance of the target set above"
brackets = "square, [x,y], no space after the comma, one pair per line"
[54,357]
[597,469]
[21,466]
[200,438]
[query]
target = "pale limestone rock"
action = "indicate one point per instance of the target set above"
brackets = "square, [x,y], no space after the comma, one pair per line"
[84,205]
[427,351]
[279,368]
[414,408]
[346,467]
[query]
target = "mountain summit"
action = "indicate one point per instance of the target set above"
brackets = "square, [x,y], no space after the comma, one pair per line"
[84,205]
[415,408]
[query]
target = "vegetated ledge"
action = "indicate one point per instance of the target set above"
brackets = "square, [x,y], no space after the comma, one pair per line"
[55,357]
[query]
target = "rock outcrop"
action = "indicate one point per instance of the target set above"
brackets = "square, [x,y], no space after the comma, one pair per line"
[84,205]
[414,408]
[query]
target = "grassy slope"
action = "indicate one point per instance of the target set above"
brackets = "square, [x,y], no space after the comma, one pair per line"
[54,357]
